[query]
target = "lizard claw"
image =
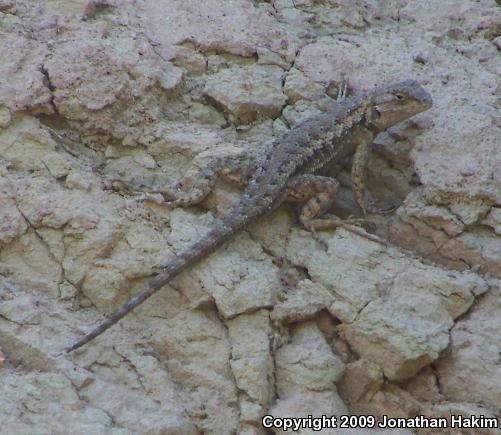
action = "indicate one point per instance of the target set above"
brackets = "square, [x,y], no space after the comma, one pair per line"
[342,90]
[151,197]
[381,211]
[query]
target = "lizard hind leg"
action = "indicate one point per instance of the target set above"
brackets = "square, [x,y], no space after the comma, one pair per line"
[198,181]
[232,164]
[191,190]
[318,193]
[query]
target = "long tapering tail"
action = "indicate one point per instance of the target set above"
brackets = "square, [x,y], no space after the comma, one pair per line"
[223,231]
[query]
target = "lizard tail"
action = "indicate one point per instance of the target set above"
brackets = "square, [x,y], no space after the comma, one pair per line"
[189,256]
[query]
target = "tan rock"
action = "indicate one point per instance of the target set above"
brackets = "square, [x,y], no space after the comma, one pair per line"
[12,223]
[297,86]
[237,29]
[444,234]
[324,61]
[470,371]
[299,112]
[392,400]
[28,148]
[251,430]
[25,56]
[253,282]
[424,386]
[493,219]
[465,411]
[400,294]
[361,380]
[28,260]
[307,363]
[311,403]
[251,360]
[196,350]
[234,91]
[5,117]
[301,302]
[92,74]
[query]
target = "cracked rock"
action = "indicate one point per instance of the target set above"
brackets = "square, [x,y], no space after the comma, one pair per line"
[393,293]
[234,90]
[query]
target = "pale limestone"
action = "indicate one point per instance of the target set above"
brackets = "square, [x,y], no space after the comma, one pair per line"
[393,293]
[247,93]
[471,371]
[306,363]
[360,381]
[309,403]
[251,362]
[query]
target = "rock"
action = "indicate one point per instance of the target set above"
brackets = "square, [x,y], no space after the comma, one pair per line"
[303,301]
[298,86]
[311,403]
[468,413]
[459,247]
[29,259]
[395,296]
[391,400]
[67,291]
[469,372]
[5,117]
[251,362]
[240,291]
[306,364]
[12,223]
[424,386]
[32,397]
[234,92]
[493,220]
[25,57]
[239,29]
[28,148]
[196,349]
[78,180]
[251,430]
[361,380]
[299,112]
[113,74]
[324,62]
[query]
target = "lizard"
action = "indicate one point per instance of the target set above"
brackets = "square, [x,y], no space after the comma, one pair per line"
[287,171]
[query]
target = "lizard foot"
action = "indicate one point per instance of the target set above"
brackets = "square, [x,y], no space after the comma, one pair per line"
[351,224]
[369,208]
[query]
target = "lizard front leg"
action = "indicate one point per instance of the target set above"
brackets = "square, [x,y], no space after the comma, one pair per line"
[361,158]
[318,193]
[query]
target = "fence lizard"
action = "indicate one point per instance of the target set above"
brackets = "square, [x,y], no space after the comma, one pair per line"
[287,170]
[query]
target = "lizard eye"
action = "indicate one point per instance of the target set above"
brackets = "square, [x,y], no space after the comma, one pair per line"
[399,97]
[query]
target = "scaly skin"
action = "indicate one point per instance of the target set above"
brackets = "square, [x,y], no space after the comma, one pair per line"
[288,167]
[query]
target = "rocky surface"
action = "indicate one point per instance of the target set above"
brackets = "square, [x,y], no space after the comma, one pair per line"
[280,321]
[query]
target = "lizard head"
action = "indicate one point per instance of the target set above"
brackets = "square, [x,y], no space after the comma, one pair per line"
[394,103]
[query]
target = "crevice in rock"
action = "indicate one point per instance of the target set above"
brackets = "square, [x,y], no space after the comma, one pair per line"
[51,87]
